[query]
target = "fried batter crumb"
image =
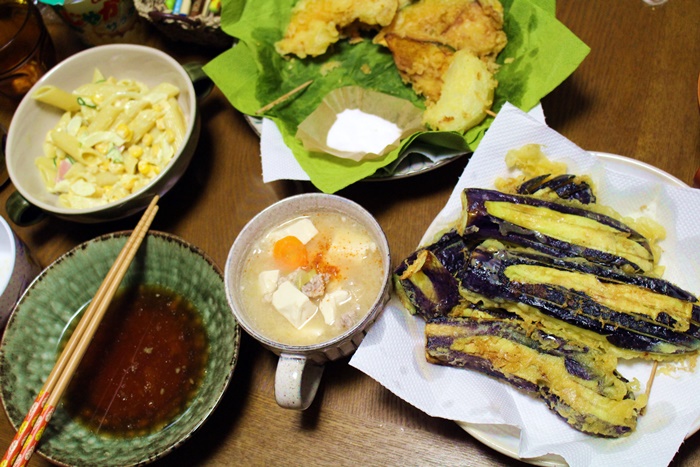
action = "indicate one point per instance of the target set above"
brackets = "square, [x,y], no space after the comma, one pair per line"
[316,24]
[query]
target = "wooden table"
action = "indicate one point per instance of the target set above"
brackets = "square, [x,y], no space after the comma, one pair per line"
[634,95]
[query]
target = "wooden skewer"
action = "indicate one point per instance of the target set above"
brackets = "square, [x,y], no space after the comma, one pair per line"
[490,112]
[22,446]
[283,97]
[650,381]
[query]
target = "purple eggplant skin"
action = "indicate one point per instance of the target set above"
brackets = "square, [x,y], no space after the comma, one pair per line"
[475,199]
[438,351]
[452,250]
[444,289]
[579,422]
[565,186]
[611,275]
[446,257]
[512,234]
[531,186]
[653,284]
[576,361]
[510,327]
[474,204]
[486,276]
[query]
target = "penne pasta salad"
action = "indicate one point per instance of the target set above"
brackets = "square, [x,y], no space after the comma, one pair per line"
[113,138]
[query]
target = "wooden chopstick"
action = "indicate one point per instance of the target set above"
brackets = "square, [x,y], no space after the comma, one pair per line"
[29,433]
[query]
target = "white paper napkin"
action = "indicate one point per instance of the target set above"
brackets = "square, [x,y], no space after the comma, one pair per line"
[393,351]
[278,161]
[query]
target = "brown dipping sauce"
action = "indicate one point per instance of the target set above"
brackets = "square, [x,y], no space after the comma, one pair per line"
[144,366]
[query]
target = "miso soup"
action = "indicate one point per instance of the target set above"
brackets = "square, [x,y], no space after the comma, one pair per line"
[311,278]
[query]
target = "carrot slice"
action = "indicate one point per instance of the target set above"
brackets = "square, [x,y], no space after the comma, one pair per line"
[290,253]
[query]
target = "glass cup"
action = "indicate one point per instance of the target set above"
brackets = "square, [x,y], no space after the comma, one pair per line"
[300,367]
[26,49]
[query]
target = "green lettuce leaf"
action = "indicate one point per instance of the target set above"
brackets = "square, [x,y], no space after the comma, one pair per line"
[540,54]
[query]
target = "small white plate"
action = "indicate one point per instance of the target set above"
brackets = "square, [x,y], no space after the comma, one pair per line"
[505,438]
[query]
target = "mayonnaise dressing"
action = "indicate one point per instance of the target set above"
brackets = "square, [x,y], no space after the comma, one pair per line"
[358,131]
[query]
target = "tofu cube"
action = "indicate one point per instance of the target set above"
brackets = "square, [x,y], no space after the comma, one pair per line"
[303,229]
[346,246]
[329,304]
[291,303]
[267,281]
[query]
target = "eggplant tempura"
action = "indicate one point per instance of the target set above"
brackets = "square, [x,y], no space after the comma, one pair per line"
[542,287]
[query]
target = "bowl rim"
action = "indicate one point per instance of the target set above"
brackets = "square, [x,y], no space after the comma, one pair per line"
[6,230]
[367,319]
[232,363]
[100,50]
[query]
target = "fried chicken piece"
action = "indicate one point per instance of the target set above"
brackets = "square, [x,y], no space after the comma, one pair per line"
[316,24]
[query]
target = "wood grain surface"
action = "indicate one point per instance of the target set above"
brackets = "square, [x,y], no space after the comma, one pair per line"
[634,95]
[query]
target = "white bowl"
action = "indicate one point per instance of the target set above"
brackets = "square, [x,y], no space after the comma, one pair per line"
[32,121]
[17,270]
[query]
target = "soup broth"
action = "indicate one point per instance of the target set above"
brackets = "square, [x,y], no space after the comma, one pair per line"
[144,366]
[313,287]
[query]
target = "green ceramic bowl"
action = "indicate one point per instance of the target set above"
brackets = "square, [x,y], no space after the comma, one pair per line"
[30,344]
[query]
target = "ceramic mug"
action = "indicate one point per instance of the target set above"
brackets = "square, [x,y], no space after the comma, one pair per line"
[17,270]
[99,22]
[300,367]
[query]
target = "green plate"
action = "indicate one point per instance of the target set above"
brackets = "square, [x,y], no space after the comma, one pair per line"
[30,344]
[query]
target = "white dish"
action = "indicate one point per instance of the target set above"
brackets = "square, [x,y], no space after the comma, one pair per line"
[33,119]
[18,268]
[505,438]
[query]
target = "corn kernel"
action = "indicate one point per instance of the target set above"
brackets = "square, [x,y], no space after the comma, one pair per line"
[169,135]
[102,147]
[160,124]
[145,168]
[147,139]
[124,132]
[135,151]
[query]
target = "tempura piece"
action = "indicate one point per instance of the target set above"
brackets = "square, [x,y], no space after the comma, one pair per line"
[316,24]
[422,64]
[425,35]
[467,93]
[474,25]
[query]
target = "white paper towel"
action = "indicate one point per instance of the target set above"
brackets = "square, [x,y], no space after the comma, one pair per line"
[278,161]
[393,351]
